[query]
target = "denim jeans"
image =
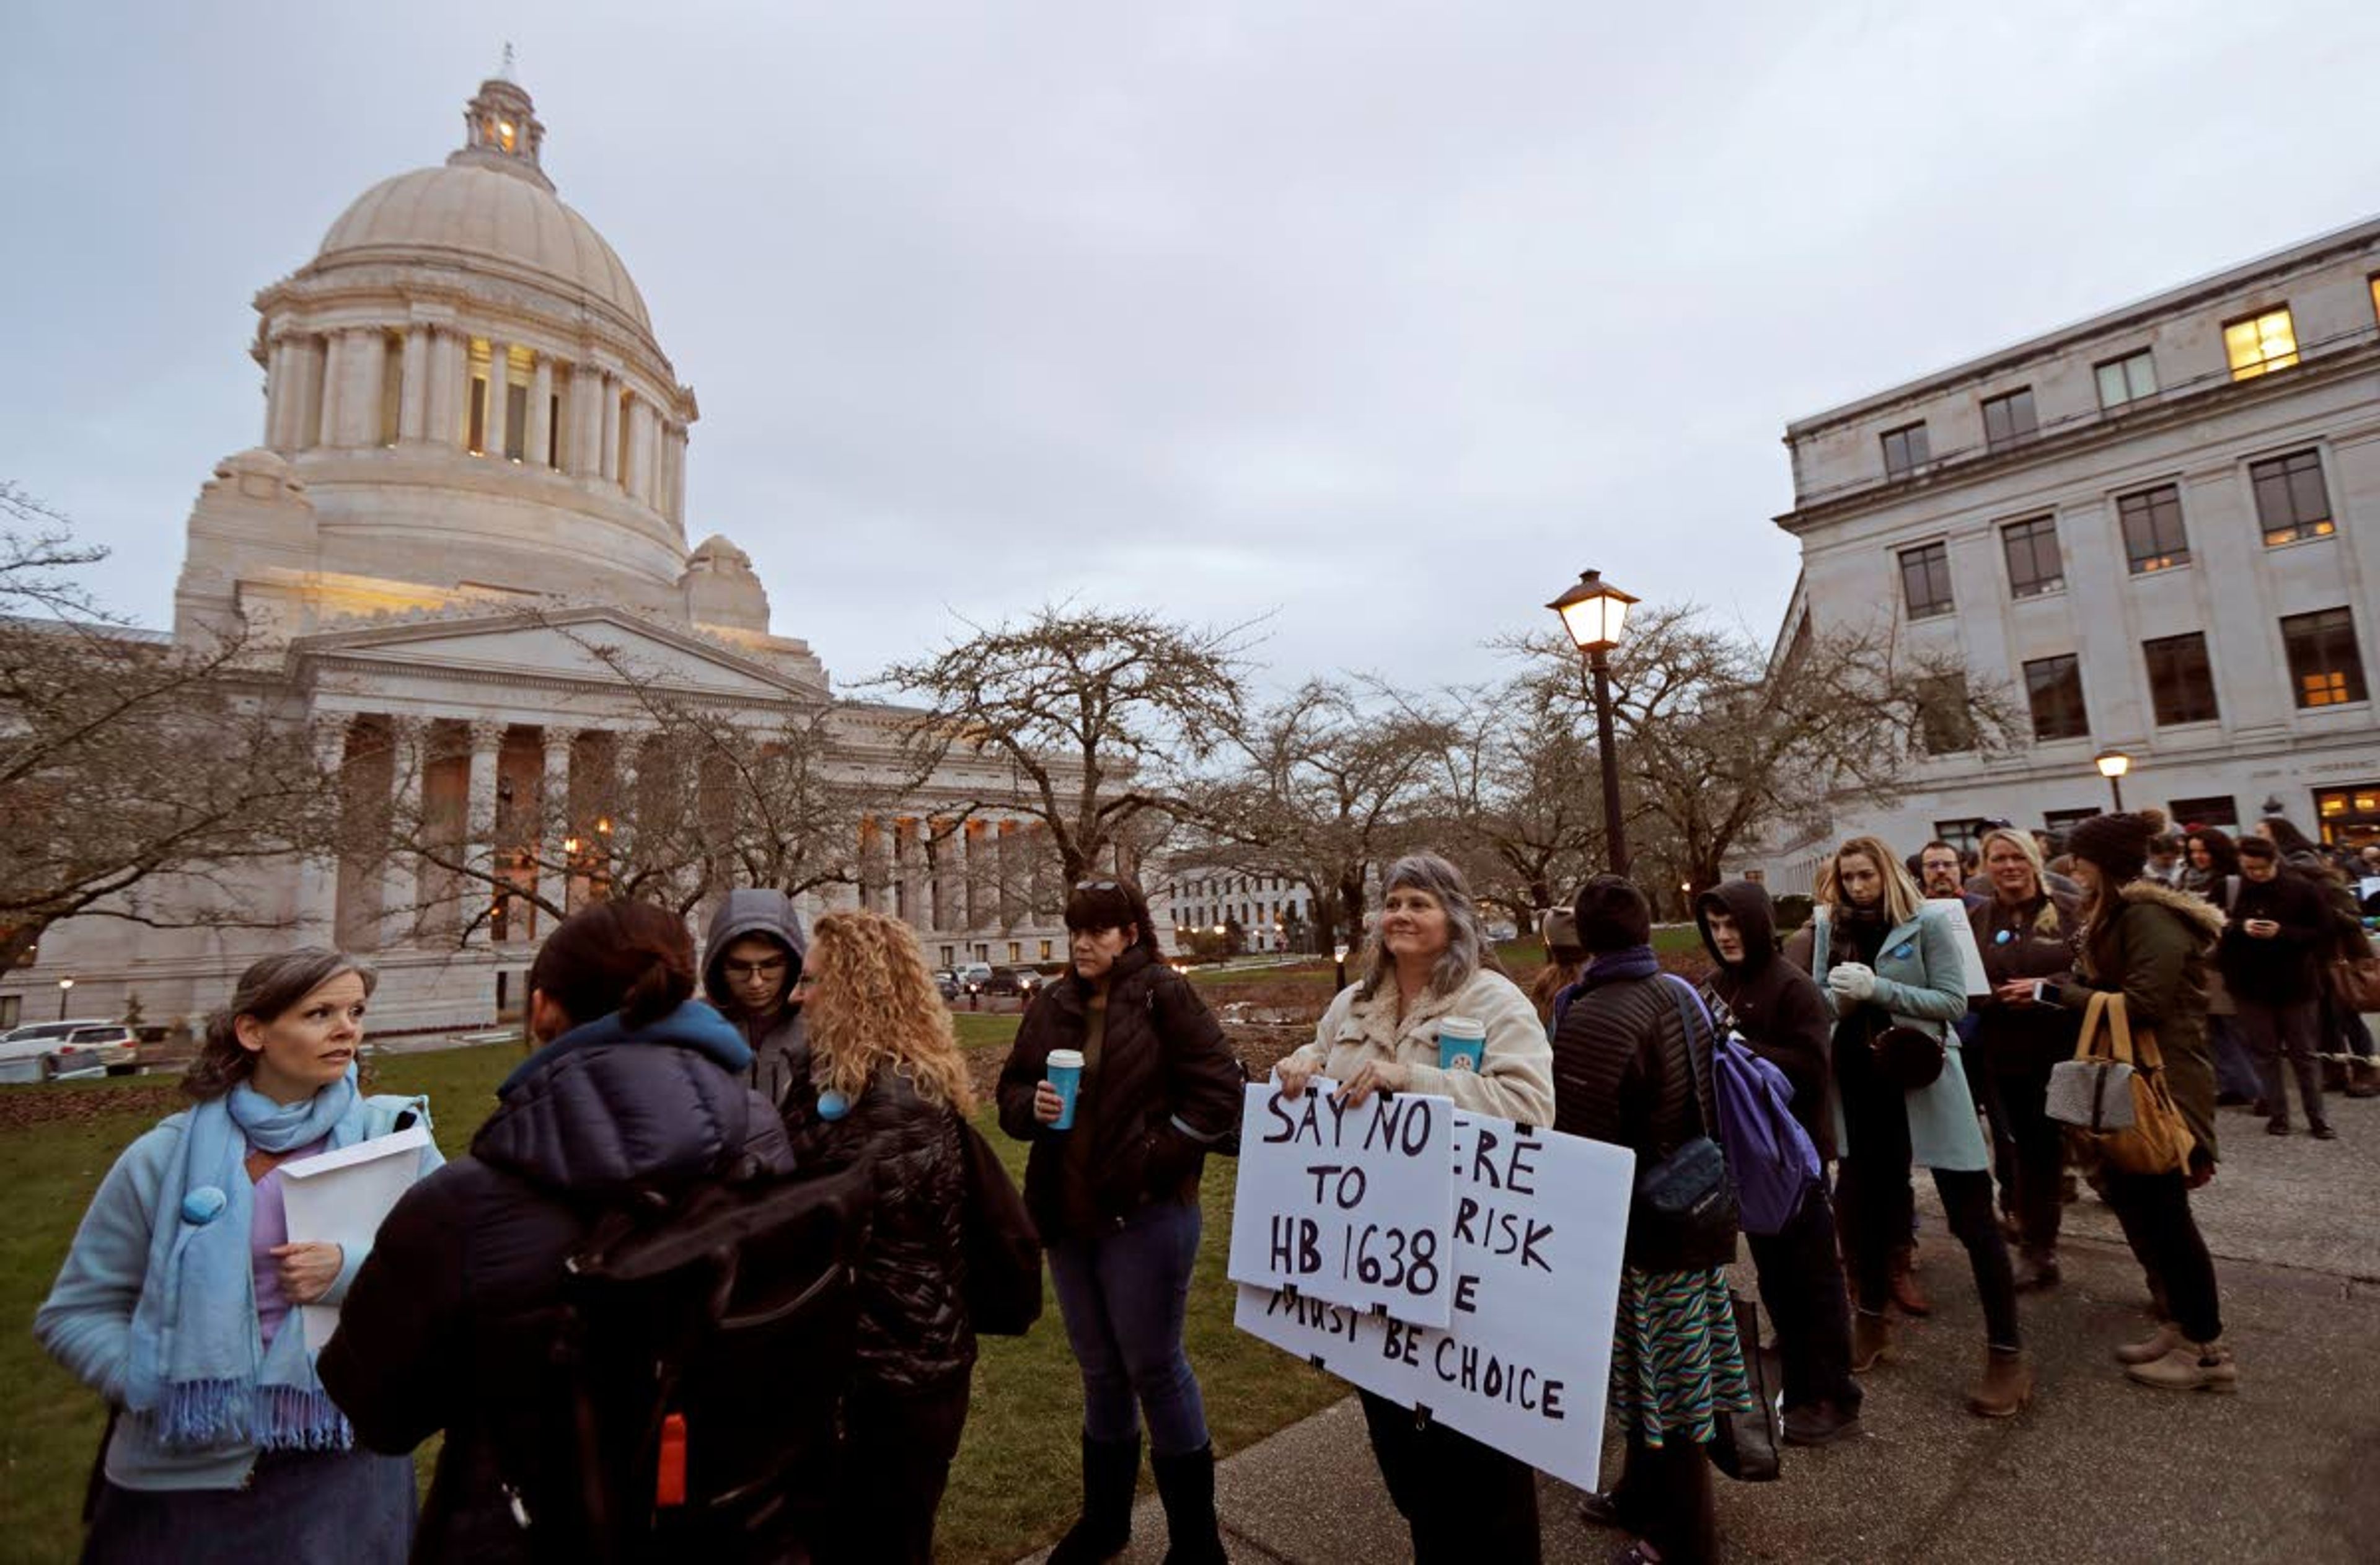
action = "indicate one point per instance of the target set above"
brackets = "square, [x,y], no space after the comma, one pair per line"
[2280,1035]
[2235,1068]
[1122,1293]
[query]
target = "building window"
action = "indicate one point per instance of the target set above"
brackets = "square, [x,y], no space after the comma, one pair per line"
[392,385]
[2060,821]
[950,956]
[1944,726]
[1964,835]
[1925,580]
[2154,539]
[516,421]
[554,429]
[475,438]
[2325,668]
[1045,950]
[2033,565]
[1015,951]
[2291,504]
[2052,686]
[2260,344]
[2349,817]
[1904,450]
[2009,420]
[2181,683]
[2128,379]
[2215,809]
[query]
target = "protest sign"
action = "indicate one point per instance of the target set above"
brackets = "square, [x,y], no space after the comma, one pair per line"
[1352,1205]
[1953,918]
[1525,1362]
[340,1197]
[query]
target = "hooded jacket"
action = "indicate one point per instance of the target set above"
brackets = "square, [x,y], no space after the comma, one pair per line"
[1776,1007]
[2152,947]
[781,1053]
[430,1335]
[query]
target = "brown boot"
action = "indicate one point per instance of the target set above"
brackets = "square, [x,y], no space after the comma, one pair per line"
[2166,1338]
[2191,1367]
[1871,1338]
[2036,1267]
[2006,1386]
[1908,1293]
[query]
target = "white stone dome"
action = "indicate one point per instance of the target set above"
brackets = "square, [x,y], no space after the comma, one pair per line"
[489,220]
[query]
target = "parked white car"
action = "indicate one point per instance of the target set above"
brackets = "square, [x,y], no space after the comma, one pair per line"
[61,1050]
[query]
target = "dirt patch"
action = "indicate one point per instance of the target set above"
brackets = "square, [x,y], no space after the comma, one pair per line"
[24,1108]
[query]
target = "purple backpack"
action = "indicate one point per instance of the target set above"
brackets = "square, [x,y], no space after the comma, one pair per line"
[1768,1153]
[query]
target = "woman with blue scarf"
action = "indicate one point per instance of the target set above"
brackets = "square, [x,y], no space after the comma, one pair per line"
[175,1300]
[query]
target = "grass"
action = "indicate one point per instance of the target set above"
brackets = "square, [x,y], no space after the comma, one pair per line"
[1011,1491]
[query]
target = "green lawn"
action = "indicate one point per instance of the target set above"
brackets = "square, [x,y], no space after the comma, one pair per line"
[1011,1490]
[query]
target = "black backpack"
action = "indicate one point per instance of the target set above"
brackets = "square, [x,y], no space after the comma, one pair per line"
[693,1374]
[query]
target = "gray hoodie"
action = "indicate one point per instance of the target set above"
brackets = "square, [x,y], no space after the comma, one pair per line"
[781,1055]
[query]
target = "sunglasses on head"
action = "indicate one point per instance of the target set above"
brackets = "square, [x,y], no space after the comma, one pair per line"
[1099,885]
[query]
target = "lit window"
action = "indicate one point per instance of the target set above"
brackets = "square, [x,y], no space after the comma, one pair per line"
[2325,666]
[2128,379]
[1905,450]
[2009,420]
[2292,504]
[505,133]
[2154,539]
[2261,342]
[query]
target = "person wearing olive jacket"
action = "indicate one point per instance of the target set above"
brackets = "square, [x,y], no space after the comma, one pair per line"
[1116,1198]
[2151,944]
[1891,960]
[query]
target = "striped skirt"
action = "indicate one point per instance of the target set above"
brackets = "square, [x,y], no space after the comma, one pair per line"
[1675,1360]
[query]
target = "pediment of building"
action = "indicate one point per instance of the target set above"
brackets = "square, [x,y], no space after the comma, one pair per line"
[579,647]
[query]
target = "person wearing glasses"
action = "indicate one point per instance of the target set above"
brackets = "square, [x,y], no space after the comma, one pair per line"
[1115,1195]
[750,964]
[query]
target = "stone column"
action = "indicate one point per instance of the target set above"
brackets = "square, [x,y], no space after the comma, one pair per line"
[400,894]
[442,421]
[413,387]
[332,377]
[366,363]
[649,462]
[539,452]
[318,876]
[677,474]
[609,433]
[500,366]
[553,826]
[276,392]
[632,449]
[480,830]
[586,450]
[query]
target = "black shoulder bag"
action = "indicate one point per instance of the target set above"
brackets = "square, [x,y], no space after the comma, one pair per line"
[1686,1195]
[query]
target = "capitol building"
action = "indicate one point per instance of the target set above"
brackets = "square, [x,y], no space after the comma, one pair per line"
[465,518]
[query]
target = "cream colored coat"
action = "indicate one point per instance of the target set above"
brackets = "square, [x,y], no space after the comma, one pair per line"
[1515,1079]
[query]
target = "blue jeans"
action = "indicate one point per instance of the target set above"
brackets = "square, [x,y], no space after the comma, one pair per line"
[1122,1293]
[2235,1071]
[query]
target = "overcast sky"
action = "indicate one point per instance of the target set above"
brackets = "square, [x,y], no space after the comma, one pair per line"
[1383,320]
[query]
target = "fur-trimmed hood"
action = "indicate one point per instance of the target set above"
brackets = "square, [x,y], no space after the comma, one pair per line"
[2206,915]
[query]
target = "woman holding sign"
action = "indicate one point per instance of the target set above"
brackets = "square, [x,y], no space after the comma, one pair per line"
[1432,1014]
[1122,1079]
[175,1300]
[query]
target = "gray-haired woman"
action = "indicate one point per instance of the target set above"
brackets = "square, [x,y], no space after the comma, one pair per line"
[1431,960]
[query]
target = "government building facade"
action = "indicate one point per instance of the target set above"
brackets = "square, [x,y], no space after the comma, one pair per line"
[2156,531]
[467,517]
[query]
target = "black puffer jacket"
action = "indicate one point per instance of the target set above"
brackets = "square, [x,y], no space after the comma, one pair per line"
[430,1336]
[914,1332]
[1168,1087]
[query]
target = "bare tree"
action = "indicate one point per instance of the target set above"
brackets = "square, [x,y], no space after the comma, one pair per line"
[1516,790]
[135,773]
[1093,717]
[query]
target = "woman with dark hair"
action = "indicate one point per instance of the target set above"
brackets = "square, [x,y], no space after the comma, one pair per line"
[1431,962]
[174,1302]
[1115,1195]
[2211,873]
[2209,858]
[637,1089]
[890,1086]
[1890,960]
[2151,944]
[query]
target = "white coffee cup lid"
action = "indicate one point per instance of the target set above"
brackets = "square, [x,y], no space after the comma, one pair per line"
[1462,1027]
[1065,1058]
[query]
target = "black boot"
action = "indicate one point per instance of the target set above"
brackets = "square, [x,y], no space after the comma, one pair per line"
[1186,1486]
[1110,1469]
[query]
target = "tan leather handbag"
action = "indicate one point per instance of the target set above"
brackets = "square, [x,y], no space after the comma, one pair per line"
[2157,1140]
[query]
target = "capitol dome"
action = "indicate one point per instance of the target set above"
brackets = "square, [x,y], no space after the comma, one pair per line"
[490,220]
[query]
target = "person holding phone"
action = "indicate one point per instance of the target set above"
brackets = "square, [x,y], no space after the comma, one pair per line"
[2279,925]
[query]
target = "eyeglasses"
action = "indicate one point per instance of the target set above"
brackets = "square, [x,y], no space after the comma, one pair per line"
[768,967]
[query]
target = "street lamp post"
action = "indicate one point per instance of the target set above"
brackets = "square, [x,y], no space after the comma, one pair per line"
[1338,953]
[2112,766]
[65,986]
[1593,611]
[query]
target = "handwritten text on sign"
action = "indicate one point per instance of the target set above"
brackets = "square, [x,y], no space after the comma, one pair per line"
[1352,1204]
[1524,1361]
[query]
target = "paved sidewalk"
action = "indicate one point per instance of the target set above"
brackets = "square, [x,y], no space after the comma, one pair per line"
[2097,1469]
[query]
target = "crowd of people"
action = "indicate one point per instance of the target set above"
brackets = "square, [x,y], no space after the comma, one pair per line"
[665,1096]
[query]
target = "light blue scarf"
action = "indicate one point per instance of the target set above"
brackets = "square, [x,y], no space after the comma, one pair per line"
[200,1374]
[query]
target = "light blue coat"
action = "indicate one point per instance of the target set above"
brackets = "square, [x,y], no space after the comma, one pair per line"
[1922,981]
[86,1323]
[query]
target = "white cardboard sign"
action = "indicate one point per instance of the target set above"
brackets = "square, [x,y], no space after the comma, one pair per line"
[1524,1363]
[1351,1205]
[340,1197]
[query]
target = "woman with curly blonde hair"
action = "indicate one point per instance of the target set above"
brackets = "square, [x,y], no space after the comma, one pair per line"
[891,1085]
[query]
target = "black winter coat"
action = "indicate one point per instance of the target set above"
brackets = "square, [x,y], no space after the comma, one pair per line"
[1168,1088]
[2025,1040]
[428,1336]
[914,1333]
[1627,1070]
[2280,969]
[1778,1009]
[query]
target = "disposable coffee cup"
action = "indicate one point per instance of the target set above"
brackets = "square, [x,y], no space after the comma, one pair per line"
[1065,1068]
[1462,1043]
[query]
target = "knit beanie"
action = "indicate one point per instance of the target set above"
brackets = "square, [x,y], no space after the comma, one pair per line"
[2117,845]
[1612,915]
[1558,927]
